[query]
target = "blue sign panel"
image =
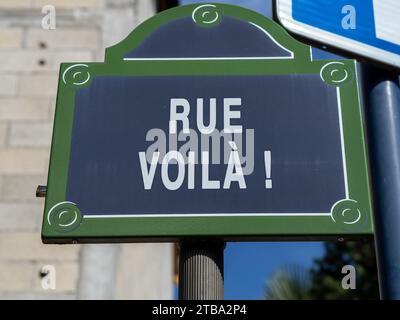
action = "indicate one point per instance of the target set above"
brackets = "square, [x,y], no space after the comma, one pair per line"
[368,28]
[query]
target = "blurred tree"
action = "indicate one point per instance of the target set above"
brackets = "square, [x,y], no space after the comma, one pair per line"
[324,280]
[289,283]
[326,274]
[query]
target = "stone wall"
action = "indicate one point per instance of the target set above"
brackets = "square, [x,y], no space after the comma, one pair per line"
[29,62]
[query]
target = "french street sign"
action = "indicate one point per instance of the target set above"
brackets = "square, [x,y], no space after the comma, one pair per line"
[368,28]
[208,120]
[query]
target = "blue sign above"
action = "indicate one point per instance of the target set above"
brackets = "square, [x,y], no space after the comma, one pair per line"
[368,28]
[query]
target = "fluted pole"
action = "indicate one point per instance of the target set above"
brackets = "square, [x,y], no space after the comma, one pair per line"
[201,270]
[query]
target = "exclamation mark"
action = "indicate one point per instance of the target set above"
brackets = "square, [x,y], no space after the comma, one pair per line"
[267,162]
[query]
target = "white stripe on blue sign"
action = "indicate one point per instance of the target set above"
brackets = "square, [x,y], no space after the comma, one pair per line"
[369,28]
[387,24]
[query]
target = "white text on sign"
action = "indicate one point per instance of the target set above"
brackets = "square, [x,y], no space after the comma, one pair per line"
[189,155]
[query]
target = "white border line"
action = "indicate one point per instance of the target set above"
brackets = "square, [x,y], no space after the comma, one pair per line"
[274,40]
[300,214]
[206,58]
[225,58]
[342,142]
[182,215]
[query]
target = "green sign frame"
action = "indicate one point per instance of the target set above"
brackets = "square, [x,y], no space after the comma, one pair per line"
[64,223]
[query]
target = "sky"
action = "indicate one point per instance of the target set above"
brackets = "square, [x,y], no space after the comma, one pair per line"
[248,265]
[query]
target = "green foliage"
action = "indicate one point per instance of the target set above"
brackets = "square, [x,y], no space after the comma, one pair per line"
[324,280]
[327,274]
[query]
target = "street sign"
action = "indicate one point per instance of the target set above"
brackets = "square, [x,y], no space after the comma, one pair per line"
[207,120]
[368,28]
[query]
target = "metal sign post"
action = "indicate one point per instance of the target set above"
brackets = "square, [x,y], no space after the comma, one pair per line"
[201,270]
[382,106]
